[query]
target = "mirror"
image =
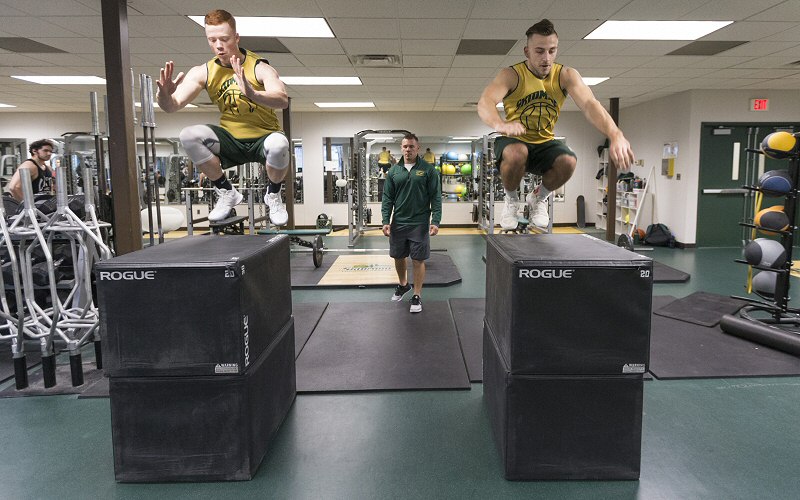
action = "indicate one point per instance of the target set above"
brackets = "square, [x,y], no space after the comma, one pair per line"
[336,158]
[297,150]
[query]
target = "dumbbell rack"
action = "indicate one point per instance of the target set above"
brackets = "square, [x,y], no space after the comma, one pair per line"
[778,310]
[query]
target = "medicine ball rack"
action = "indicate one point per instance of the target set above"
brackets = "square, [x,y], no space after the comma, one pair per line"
[770,323]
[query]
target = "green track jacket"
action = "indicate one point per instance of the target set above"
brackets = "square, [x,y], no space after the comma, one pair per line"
[415,196]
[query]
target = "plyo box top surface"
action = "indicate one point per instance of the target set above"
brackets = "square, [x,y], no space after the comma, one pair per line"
[196,251]
[563,250]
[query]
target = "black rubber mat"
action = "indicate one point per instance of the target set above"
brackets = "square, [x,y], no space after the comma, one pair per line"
[684,350]
[468,315]
[7,363]
[701,308]
[99,389]
[63,383]
[382,346]
[306,317]
[662,273]
[440,270]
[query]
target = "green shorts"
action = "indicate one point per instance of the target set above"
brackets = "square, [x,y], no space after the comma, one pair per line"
[233,151]
[540,156]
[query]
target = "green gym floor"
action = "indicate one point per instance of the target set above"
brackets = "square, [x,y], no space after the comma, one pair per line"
[702,439]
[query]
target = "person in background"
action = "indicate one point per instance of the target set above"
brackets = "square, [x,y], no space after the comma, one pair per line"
[41,173]
[411,211]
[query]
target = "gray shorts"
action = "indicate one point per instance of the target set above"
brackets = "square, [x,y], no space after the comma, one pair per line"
[414,241]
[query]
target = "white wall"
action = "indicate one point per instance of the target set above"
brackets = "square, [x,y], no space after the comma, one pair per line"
[679,118]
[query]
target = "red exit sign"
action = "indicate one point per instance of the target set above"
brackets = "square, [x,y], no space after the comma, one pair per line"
[759,104]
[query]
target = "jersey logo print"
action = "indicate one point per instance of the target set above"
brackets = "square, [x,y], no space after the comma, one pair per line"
[233,99]
[539,111]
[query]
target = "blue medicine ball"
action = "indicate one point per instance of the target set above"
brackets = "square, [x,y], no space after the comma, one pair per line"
[765,252]
[775,183]
[452,155]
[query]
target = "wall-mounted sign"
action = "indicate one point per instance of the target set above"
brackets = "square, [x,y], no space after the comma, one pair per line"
[759,104]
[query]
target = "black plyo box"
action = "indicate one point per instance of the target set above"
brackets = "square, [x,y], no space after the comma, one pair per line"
[210,428]
[200,305]
[568,304]
[563,427]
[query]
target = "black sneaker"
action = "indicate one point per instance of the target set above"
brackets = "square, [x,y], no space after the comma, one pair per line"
[416,304]
[400,291]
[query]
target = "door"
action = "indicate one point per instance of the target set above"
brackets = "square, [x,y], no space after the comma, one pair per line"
[725,167]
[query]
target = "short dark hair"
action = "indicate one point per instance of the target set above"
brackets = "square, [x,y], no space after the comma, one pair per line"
[544,28]
[410,136]
[219,16]
[37,145]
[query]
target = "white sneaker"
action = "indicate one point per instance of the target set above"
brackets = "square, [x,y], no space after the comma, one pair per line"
[228,198]
[277,211]
[509,218]
[538,210]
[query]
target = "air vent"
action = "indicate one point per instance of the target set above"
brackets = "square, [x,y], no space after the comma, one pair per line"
[376,60]
[706,48]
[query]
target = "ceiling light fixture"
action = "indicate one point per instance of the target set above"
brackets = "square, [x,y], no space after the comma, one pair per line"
[288,27]
[593,80]
[321,80]
[155,105]
[62,80]
[6,105]
[345,104]
[655,30]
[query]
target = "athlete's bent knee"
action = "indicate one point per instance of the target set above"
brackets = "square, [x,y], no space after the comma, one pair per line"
[200,143]
[276,151]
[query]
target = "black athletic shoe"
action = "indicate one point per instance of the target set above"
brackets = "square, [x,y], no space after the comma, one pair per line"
[416,304]
[400,291]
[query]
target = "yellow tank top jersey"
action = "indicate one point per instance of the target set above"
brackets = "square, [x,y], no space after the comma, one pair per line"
[429,157]
[243,118]
[536,103]
[384,157]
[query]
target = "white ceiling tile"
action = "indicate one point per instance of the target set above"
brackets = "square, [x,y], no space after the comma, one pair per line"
[602,48]
[28,26]
[371,46]
[163,26]
[576,9]
[364,28]
[717,62]
[784,11]
[425,61]
[650,48]
[638,10]
[323,60]
[476,72]
[429,47]
[147,46]
[572,29]
[91,26]
[432,29]
[186,45]
[74,45]
[380,72]
[424,81]
[424,72]
[333,70]
[638,72]
[478,61]
[281,8]
[510,9]
[378,81]
[56,8]
[150,8]
[443,9]
[312,45]
[283,60]
[496,29]
[758,49]
[790,35]
[375,8]
[748,30]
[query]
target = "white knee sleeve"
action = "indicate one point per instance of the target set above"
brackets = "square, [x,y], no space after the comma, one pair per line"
[276,150]
[200,143]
